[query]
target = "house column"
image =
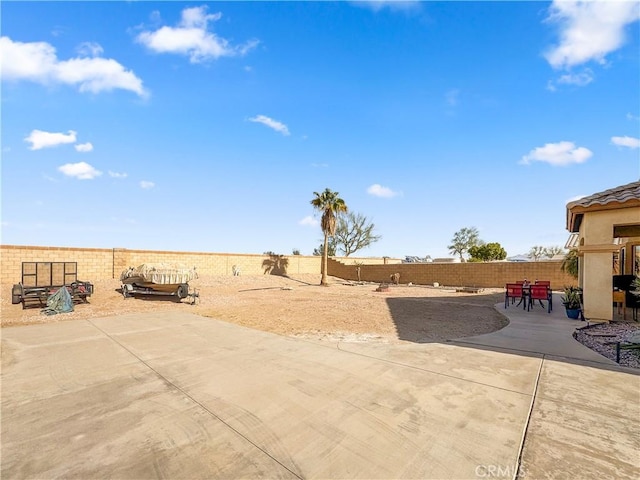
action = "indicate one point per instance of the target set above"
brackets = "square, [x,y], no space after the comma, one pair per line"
[597,286]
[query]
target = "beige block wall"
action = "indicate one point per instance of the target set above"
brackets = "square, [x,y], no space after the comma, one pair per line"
[93,263]
[102,264]
[215,263]
[484,275]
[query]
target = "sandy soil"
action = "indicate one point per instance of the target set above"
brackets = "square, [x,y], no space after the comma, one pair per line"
[299,306]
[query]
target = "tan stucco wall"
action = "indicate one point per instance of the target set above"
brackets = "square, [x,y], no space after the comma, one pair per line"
[597,247]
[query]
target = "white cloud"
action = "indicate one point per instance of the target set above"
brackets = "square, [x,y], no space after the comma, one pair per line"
[631,116]
[89,49]
[378,190]
[557,154]
[626,141]
[589,30]
[309,221]
[40,139]
[117,175]
[191,37]
[37,62]
[581,79]
[81,171]
[145,184]
[377,5]
[83,147]
[271,123]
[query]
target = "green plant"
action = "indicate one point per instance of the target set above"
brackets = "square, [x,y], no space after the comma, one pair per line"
[570,263]
[635,287]
[487,252]
[463,240]
[571,298]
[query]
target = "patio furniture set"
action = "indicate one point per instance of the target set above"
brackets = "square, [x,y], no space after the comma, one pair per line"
[527,293]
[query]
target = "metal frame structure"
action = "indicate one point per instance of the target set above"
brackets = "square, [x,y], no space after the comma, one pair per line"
[42,279]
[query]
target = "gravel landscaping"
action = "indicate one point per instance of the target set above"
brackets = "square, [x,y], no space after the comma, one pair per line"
[603,338]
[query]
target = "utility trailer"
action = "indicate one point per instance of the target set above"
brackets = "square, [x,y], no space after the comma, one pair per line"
[42,279]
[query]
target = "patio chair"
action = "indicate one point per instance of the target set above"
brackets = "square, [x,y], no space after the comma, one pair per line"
[548,284]
[513,291]
[540,293]
[518,282]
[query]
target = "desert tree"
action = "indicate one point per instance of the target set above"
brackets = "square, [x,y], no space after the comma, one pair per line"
[354,232]
[553,251]
[536,252]
[330,205]
[463,240]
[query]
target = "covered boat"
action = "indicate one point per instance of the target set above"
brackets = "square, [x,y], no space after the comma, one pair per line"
[158,279]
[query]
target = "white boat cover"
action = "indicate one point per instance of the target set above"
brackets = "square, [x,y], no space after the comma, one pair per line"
[159,273]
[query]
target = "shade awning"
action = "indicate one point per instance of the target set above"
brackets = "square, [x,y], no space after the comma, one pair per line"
[573,241]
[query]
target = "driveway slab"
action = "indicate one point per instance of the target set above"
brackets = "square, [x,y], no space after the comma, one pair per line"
[181,396]
[175,395]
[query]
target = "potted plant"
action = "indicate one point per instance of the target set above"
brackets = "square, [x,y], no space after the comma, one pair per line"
[572,301]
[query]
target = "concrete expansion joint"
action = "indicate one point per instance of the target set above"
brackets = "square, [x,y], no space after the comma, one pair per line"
[525,428]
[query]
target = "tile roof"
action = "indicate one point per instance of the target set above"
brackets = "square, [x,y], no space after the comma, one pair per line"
[620,194]
[619,197]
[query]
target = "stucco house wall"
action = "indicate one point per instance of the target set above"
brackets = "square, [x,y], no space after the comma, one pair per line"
[594,219]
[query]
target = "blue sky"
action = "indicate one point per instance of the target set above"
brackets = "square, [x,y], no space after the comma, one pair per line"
[208,126]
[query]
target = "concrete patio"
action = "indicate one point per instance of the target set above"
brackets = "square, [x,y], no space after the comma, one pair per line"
[174,395]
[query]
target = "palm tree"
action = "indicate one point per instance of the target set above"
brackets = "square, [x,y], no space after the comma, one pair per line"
[570,263]
[330,204]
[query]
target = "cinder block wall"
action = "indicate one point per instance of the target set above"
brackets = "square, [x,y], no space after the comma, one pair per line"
[213,263]
[93,263]
[485,275]
[101,264]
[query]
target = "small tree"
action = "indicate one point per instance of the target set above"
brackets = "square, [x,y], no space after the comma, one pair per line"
[487,252]
[295,251]
[537,252]
[354,232]
[463,240]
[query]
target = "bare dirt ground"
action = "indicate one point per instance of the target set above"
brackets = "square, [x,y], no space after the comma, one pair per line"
[299,306]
